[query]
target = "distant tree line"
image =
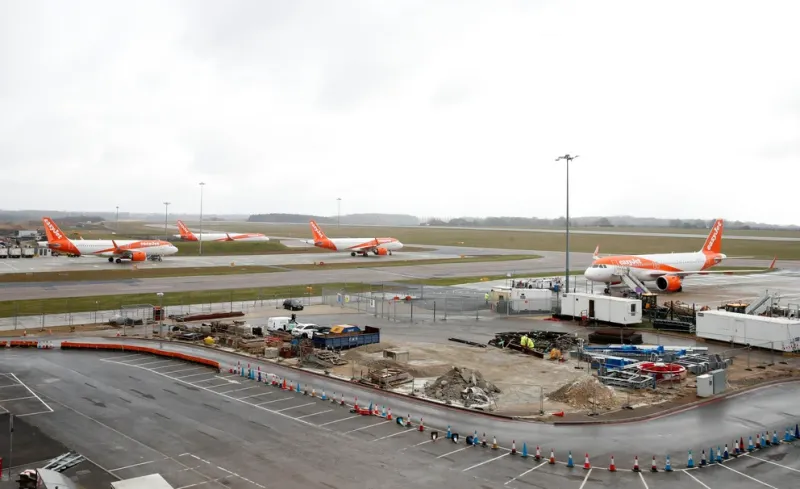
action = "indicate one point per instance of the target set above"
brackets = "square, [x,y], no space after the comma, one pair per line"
[604,222]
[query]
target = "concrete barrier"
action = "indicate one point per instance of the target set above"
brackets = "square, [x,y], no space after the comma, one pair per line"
[71,345]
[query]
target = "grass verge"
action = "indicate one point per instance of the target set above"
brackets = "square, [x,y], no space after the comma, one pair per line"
[142,273]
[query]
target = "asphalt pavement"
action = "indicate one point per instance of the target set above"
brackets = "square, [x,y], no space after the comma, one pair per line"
[134,414]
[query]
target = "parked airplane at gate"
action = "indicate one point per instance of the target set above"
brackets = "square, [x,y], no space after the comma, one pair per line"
[361,246]
[187,235]
[114,250]
[666,270]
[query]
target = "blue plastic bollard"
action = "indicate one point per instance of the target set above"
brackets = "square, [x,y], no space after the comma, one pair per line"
[703,461]
[711,458]
[690,462]
[449,434]
[725,454]
[570,464]
[750,446]
[719,455]
[797,431]
[668,465]
[524,450]
[475,439]
[775,439]
[787,437]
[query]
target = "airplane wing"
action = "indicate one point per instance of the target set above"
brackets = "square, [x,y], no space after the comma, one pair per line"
[657,273]
[368,246]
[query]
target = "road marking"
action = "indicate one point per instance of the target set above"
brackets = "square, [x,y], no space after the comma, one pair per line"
[237,390]
[393,434]
[16,399]
[770,462]
[239,476]
[124,363]
[343,419]
[314,414]
[184,377]
[695,479]
[295,407]
[163,366]
[183,370]
[270,402]
[586,478]
[123,356]
[136,465]
[33,393]
[643,482]
[224,384]
[487,461]
[367,427]
[525,473]
[153,363]
[11,385]
[30,414]
[254,395]
[745,475]
[454,451]
[204,380]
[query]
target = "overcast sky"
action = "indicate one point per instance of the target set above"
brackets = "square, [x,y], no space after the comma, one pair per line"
[432,108]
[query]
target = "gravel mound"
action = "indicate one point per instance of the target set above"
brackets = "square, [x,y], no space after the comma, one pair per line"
[585,393]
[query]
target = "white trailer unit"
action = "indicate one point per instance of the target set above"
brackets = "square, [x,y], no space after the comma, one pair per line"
[15,252]
[614,310]
[28,252]
[3,252]
[780,334]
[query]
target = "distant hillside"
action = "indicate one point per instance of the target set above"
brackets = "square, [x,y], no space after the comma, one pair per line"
[347,219]
[613,221]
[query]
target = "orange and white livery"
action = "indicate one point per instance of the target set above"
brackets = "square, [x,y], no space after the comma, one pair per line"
[360,246]
[187,235]
[666,270]
[114,250]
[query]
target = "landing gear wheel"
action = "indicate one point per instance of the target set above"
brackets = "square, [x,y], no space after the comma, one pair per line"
[110,260]
[606,290]
[119,260]
[390,253]
[352,253]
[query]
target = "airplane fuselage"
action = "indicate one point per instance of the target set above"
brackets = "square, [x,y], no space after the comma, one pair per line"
[225,237]
[105,248]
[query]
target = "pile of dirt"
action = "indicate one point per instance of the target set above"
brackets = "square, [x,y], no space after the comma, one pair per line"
[585,393]
[456,384]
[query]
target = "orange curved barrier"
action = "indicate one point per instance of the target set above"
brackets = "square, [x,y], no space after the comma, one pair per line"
[19,344]
[72,345]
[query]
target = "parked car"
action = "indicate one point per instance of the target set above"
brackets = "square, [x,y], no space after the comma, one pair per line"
[305,330]
[293,305]
[191,336]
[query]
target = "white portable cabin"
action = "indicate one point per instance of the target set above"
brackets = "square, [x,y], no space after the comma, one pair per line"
[613,310]
[152,481]
[780,334]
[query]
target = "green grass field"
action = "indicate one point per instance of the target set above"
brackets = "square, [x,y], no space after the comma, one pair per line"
[142,273]
[525,240]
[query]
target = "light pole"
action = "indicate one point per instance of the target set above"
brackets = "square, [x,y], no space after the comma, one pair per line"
[116,225]
[160,314]
[338,210]
[202,184]
[568,158]
[166,214]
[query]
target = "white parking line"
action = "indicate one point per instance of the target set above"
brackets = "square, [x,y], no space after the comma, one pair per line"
[641,476]
[254,395]
[295,407]
[270,402]
[525,473]
[123,356]
[183,370]
[212,378]
[745,475]
[454,451]
[224,384]
[394,434]
[126,362]
[17,399]
[314,414]
[12,385]
[33,393]
[187,376]
[136,465]
[586,478]
[487,461]
[343,419]
[770,462]
[695,479]
[153,363]
[172,364]
[367,427]
[237,390]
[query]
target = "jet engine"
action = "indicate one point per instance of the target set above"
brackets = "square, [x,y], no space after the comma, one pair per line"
[381,251]
[139,256]
[669,283]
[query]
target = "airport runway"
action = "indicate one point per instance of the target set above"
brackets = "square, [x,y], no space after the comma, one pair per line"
[134,414]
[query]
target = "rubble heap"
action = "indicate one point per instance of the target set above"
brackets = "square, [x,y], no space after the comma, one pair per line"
[585,393]
[463,385]
[545,340]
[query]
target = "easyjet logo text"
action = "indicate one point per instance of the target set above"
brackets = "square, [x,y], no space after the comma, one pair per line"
[630,263]
[53,229]
[713,237]
[316,229]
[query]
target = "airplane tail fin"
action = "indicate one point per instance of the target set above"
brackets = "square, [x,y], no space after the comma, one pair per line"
[772,265]
[185,233]
[596,253]
[316,231]
[713,243]
[53,232]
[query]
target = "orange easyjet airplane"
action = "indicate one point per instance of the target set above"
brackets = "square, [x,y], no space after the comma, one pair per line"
[187,235]
[134,250]
[667,270]
[362,246]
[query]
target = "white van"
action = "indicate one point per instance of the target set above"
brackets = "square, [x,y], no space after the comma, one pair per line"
[281,322]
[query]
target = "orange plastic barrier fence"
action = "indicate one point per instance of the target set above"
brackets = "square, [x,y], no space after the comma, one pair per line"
[19,344]
[66,345]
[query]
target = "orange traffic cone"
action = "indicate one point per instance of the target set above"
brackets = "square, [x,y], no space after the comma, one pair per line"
[552,456]
[586,464]
[636,464]
[389,415]
[560,414]
[355,404]
[421,424]
[513,447]
[612,467]
[538,454]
